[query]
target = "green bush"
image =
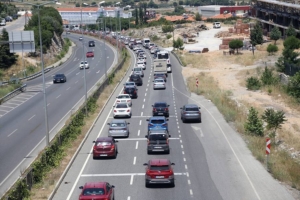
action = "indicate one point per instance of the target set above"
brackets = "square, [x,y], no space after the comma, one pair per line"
[167,28]
[154,38]
[293,87]
[268,78]
[254,125]
[169,36]
[253,83]
[272,48]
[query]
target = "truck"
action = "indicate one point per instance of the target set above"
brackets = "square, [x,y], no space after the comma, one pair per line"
[160,66]
[164,54]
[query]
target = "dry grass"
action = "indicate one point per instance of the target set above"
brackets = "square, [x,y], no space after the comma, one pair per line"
[44,190]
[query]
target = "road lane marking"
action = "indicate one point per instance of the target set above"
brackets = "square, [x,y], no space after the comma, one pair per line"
[137,145]
[191,192]
[189,181]
[97,72]
[145,94]
[141,113]
[185,166]
[179,135]
[180,141]
[146,89]
[68,88]
[140,122]
[128,198]
[182,146]
[58,96]
[76,82]
[7,106]
[143,106]
[77,73]
[201,133]
[134,160]
[182,152]
[144,100]
[31,118]
[187,174]
[48,104]
[184,159]
[139,132]
[125,174]
[12,133]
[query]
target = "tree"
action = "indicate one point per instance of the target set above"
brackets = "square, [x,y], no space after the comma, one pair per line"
[253,83]
[288,53]
[167,28]
[178,43]
[77,5]
[198,17]
[272,48]
[256,35]
[275,34]
[267,77]
[236,44]
[280,64]
[136,17]
[291,31]
[175,4]
[7,59]
[254,124]
[141,15]
[180,2]
[293,88]
[274,119]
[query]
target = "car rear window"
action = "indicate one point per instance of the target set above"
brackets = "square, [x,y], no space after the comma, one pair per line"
[121,106]
[158,137]
[117,125]
[157,121]
[123,97]
[103,143]
[93,191]
[129,90]
[192,109]
[159,105]
[162,167]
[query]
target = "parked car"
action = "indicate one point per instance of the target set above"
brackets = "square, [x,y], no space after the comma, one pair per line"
[122,110]
[158,122]
[132,91]
[105,147]
[59,78]
[124,98]
[91,43]
[84,64]
[160,108]
[190,112]
[118,128]
[97,190]
[159,83]
[159,171]
[138,71]
[158,141]
[137,79]
[89,54]
[217,25]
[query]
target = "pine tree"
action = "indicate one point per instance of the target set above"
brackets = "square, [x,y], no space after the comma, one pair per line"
[274,119]
[254,124]
[256,35]
[136,17]
[275,34]
[7,59]
[291,31]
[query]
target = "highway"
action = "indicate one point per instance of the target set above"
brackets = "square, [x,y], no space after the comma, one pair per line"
[212,162]
[22,119]
[16,25]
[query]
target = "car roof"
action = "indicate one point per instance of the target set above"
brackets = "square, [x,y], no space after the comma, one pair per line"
[104,139]
[191,106]
[159,162]
[118,121]
[157,117]
[95,185]
[59,74]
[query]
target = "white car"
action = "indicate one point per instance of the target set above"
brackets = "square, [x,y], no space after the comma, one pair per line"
[136,48]
[122,110]
[141,60]
[84,64]
[138,70]
[124,98]
[152,50]
[139,41]
[129,84]
[159,83]
[141,65]
[217,25]
[169,68]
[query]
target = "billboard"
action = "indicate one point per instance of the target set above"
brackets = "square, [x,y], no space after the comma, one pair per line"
[21,41]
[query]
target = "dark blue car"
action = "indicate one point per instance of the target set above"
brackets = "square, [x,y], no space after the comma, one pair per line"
[158,123]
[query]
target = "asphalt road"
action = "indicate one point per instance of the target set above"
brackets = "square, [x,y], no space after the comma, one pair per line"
[22,119]
[212,161]
[16,25]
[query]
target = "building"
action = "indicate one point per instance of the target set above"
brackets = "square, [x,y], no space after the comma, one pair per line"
[89,15]
[276,13]
[212,10]
[209,11]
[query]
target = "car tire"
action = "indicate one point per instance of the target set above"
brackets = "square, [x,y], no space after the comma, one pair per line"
[115,156]
[168,152]
[183,120]
[53,82]
[148,152]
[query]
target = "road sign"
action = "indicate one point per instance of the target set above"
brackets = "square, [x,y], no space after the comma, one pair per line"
[268,146]
[21,41]
[197,82]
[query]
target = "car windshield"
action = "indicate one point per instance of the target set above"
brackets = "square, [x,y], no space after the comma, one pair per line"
[160,168]
[159,75]
[93,191]
[117,125]
[159,105]
[192,109]
[157,121]
[103,143]
[82,62]
[121,106]
[158,137]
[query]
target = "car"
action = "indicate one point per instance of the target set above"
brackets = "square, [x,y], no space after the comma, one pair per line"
[80,38]
[159,83]
[137,79]
[158,141]
[91,43]
[151,45]
[135,48]
[141,60]
[89,54]
[123,98]
[138,70]
[141,65]
[139,51]
[138,41]
[97,190]
[160,108]
[159,171]
[118,128]
[147,46]
[84,64]
[153,50]
[160,75]
[129,84]
[190,112]
[68,32]
[59,78]
[105,147]
[158,122]
[132,91]
[122,110]
[126,42]
[217,25]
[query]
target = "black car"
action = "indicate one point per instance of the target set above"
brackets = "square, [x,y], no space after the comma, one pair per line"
[160,108]
[132,91]
[158,141]
[59,78]
[91,43]
[136,78]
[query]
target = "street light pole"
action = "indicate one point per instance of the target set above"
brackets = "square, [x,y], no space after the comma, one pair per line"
[85,88]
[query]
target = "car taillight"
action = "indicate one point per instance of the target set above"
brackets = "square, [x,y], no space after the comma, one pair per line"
[124,129]
[184,112]
[134,92]
[164,124]
[171,176]
[118,101]
[124,92]
[150,124]
[154,109]
[128,100]
[166,109]
[115,110]
[112,147]
[128,110]
[167,141]
[148,142]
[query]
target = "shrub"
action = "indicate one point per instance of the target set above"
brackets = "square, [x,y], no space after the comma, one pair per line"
[272,48]
[293,87]
[268,78]
[169,36]
[253,83]
[254,124]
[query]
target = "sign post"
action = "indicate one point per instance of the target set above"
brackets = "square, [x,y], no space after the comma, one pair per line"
[268,150]
[197,84]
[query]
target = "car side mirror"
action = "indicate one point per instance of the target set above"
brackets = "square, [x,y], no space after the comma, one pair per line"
[199,108]
[113,186]
[145,164]
[114,106]
[81,187]
[169,135]
[168,105]
[147,119]
[116,141]
[172,163]
[152,105]
[146,136]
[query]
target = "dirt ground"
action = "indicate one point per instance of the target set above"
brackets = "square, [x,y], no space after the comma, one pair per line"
[231,77]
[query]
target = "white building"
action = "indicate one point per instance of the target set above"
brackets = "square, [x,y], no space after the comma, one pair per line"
[209,11]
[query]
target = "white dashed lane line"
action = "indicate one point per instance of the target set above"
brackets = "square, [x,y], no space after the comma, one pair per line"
[140,122]
[137,145]
[143,106]
[58,96]
[68,88]
[12,133]
[139,132]
[31,118]
[142,114]
[76,82]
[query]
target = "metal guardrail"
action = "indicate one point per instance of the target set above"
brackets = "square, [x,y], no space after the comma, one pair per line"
[177,58]
[13,93]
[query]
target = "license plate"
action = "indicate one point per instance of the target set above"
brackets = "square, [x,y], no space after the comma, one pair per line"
[160,177]
[157,147]
[160,113]
[103,154]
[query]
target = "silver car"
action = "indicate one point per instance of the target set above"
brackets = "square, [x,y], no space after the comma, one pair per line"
[118,128]
[138,71]
[190,112]
[159,83]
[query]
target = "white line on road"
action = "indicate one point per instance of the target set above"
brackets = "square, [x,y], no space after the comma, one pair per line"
[144,100]
[141,113]
[179,135]
[180,141]
[139,132]
[182,146]
[7,106]
[31,118]
[76,82]
[145,94]
[182,152]
[187,174]
[137,145]
[146,89]
[148,85]
[191,192]
[48,104]
[185,166]
[201,133]
[189,182]
[12,133]
[143,106]
[134,160]
[68,88]
[134,139]
[98,72]
[128,198]
[58,96]
[77,73]
[184,159]
[140,122]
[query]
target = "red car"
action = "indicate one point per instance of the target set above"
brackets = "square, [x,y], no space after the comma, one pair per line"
[105,147]
[97,190]
[90,54]
[159,171]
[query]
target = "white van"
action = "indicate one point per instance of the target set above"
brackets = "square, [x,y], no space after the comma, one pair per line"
[217,25]
[145,41]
